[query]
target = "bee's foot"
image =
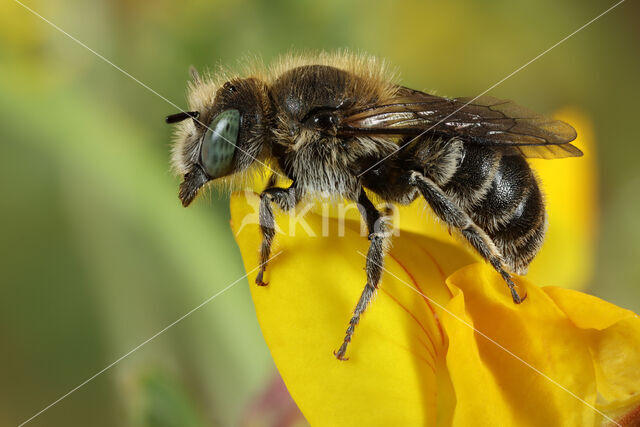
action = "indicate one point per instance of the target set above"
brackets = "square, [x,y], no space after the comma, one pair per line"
[259,280]
[340,354]
[517,299]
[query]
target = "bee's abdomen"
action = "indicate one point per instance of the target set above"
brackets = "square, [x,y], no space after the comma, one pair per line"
[473,177]
[501,194]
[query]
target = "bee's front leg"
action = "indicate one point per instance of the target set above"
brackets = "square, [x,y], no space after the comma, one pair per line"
[286,199]
[379,236]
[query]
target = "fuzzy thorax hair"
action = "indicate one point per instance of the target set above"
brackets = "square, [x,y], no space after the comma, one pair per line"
[375,81]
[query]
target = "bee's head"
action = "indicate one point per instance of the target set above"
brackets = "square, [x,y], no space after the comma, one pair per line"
[223,135]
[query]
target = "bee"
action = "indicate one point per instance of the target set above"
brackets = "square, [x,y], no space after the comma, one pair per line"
[338,124]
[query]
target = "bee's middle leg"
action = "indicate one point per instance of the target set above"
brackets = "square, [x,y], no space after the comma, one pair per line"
[286,199]
[454,216]
[379,236]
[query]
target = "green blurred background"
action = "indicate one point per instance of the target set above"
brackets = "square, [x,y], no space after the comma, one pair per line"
[97,254]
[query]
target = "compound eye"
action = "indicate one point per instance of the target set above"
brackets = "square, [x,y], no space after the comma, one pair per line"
[219,143]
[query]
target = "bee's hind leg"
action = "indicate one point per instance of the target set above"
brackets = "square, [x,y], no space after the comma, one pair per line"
[379,236]
[455,217]
[286,199]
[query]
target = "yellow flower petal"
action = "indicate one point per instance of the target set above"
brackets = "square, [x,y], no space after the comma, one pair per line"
[551,332]
[415,360]
[570,187]
[616,356]
[397,352]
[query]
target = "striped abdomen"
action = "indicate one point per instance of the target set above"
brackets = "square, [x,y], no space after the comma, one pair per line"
[501,195]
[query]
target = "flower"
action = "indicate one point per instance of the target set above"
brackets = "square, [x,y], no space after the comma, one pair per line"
[415,359]
[442,343]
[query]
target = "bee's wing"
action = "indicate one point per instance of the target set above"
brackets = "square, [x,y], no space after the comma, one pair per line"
[484,121]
